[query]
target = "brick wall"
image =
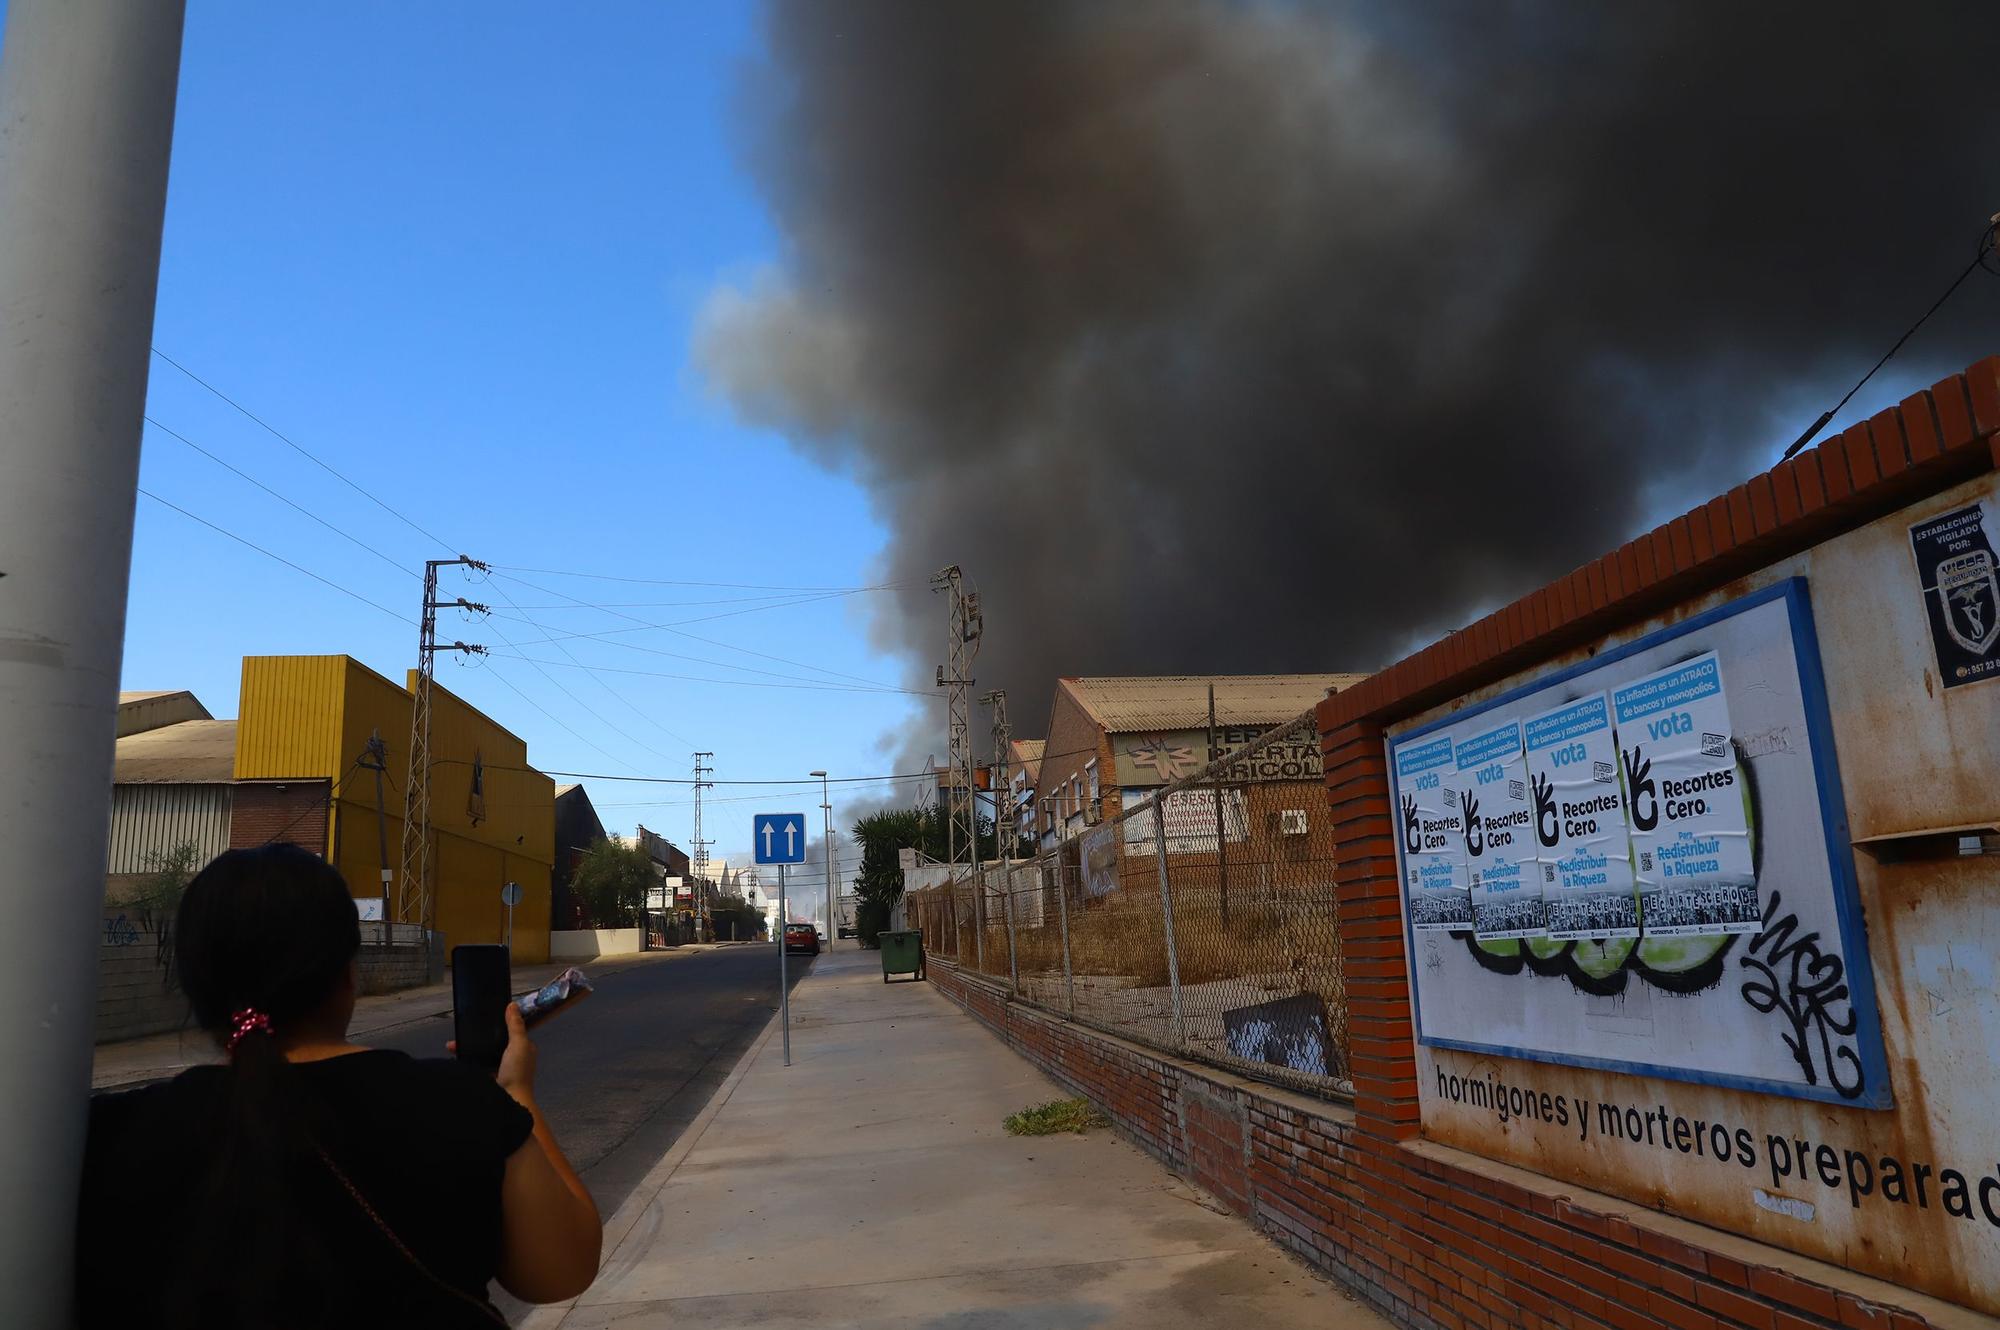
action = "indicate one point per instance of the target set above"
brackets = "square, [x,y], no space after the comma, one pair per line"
[267,811]
[399,967]
[136,994]
[1431,1236]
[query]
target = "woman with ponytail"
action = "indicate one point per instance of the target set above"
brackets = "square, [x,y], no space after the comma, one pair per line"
[311,1182]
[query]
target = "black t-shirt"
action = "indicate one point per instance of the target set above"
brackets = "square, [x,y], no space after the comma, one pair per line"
[424,1142]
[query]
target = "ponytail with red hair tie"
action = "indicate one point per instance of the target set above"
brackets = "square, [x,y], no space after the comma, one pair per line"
[242,1023]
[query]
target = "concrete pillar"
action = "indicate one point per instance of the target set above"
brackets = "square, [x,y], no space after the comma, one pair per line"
[86,123]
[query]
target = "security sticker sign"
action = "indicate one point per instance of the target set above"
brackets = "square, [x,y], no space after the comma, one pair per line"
[1957,570]
[1689,810]
[1583,840]
[1433,835]
[1499,842]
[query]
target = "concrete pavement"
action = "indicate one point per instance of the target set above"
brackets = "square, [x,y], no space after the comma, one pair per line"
[870,1183]
[156,1057]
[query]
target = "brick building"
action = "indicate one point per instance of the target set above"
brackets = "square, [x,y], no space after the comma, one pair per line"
[1113,741]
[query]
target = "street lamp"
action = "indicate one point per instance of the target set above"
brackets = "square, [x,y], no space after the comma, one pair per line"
[826,808]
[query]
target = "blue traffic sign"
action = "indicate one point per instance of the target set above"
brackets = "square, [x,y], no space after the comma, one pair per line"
[779,838]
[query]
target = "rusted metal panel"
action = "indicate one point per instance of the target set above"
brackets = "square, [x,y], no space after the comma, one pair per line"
[1910,1193]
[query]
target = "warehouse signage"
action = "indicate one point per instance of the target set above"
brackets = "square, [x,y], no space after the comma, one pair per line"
[1163,757]
[1189,821]
[1662,819]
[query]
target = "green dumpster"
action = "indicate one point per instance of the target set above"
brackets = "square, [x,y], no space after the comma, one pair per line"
[902,953]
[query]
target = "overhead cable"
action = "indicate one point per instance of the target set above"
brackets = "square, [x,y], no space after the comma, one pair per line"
[279,557]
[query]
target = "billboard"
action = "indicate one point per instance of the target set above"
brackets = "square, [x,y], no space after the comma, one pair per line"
[1661,821]
[1190,821]
[1097,860]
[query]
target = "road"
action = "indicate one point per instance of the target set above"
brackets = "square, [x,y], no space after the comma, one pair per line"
[623,1074]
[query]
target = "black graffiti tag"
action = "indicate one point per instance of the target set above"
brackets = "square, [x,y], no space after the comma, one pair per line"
[1639,779]
[1805,985]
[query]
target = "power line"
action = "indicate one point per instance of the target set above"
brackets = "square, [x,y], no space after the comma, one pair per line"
[662,581]
[674,628]
[552,716]
[344,535]
[645,625]
[860,686]
[879,778]
[316,460]
[572,603]
[813,686]
[572,696]
[301,449]
[279,557]
[1979,257]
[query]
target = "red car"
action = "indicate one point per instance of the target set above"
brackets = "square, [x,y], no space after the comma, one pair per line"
[802,938]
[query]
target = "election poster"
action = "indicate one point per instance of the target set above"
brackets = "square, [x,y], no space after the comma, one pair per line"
[1584,853]
[1688,769]
[1501,868]
[1690,814]
[1433,836]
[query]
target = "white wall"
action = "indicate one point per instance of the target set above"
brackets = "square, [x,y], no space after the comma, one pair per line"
[582,944]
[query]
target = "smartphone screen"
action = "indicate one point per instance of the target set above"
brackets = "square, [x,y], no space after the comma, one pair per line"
[481,977]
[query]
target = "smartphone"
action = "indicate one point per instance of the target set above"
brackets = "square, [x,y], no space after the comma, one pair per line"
[565,990]
[481,980]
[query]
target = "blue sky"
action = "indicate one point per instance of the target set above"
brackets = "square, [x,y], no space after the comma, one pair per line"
[456,251]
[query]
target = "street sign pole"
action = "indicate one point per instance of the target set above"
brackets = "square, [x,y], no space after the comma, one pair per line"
[510,896]
[779,839]
[784,989]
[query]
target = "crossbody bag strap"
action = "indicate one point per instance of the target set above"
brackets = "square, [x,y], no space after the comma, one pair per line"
[486,1308]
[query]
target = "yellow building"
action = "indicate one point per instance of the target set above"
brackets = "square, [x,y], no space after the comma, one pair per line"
[308,720]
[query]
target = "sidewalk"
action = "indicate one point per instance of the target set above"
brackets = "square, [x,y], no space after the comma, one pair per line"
[132,1062]
[871,1184]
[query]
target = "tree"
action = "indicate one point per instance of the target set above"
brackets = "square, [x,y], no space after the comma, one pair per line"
[735,918]
[879,885]
[610,883]
[158,899]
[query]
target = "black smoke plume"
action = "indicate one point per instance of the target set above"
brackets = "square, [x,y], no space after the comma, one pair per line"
[1255,337]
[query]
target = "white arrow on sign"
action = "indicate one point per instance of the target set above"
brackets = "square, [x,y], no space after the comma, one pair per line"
[791,838]
[770,829]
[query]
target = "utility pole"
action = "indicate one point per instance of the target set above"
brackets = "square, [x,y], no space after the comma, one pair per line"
[415,898]
[375,759]
[826,808]
[1221,841]
[1002,832]
[87,101]
[1003,734]
[701,771]
[955,676]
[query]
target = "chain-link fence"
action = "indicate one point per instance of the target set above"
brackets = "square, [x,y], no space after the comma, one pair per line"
[1200,921]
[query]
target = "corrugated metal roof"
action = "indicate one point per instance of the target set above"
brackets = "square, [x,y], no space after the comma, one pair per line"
[561,790]
[1126,704]
[193,752]
[153,709]
[1029,749]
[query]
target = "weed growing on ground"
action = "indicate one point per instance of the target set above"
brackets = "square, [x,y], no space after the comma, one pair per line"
[1055,1117]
